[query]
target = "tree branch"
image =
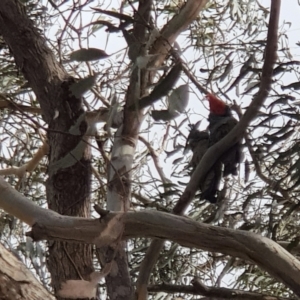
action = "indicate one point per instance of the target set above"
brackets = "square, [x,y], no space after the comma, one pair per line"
[188,13]
[46,224]
[214,152]
[199,288]
[30,165]
[43,72]
[155,159]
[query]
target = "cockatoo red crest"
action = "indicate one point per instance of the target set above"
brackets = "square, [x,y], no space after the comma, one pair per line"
[216,106]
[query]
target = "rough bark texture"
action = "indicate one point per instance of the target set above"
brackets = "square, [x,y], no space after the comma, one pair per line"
[68,185]
[264,252]
[51,85]
[68,191]
[17,282]
[118,281]
[153,224]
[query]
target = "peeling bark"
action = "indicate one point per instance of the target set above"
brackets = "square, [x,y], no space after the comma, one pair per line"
[122,157]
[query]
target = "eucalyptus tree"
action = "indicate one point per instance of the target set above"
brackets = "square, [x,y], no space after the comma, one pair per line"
[96,102]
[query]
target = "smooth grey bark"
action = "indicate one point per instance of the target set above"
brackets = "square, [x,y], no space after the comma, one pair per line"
[153,224]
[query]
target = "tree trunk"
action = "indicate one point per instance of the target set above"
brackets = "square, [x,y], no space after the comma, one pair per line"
[68,185]
[118,282]
[68,190]
[17,282]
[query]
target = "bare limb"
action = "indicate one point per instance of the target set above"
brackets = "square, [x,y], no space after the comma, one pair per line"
[155,158]
[29,166]
[238,131]
[199,288]
[246,245]
[153,224]
[216,150]
[174,27]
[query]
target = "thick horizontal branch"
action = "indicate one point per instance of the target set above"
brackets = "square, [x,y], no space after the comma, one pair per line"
[153,224]
[49,225]
[212,292]
[252,247]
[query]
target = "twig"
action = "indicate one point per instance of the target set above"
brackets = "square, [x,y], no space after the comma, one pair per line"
[29,166]
[199,288]
[214,152]
[155,160]
[219,148]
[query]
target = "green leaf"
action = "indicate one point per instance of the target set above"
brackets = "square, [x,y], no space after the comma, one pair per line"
[164,115]
[162,88]
[88,54]
[179,99]
[83,85]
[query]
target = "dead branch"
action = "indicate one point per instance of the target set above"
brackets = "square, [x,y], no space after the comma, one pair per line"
[29,166]
[198,288]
